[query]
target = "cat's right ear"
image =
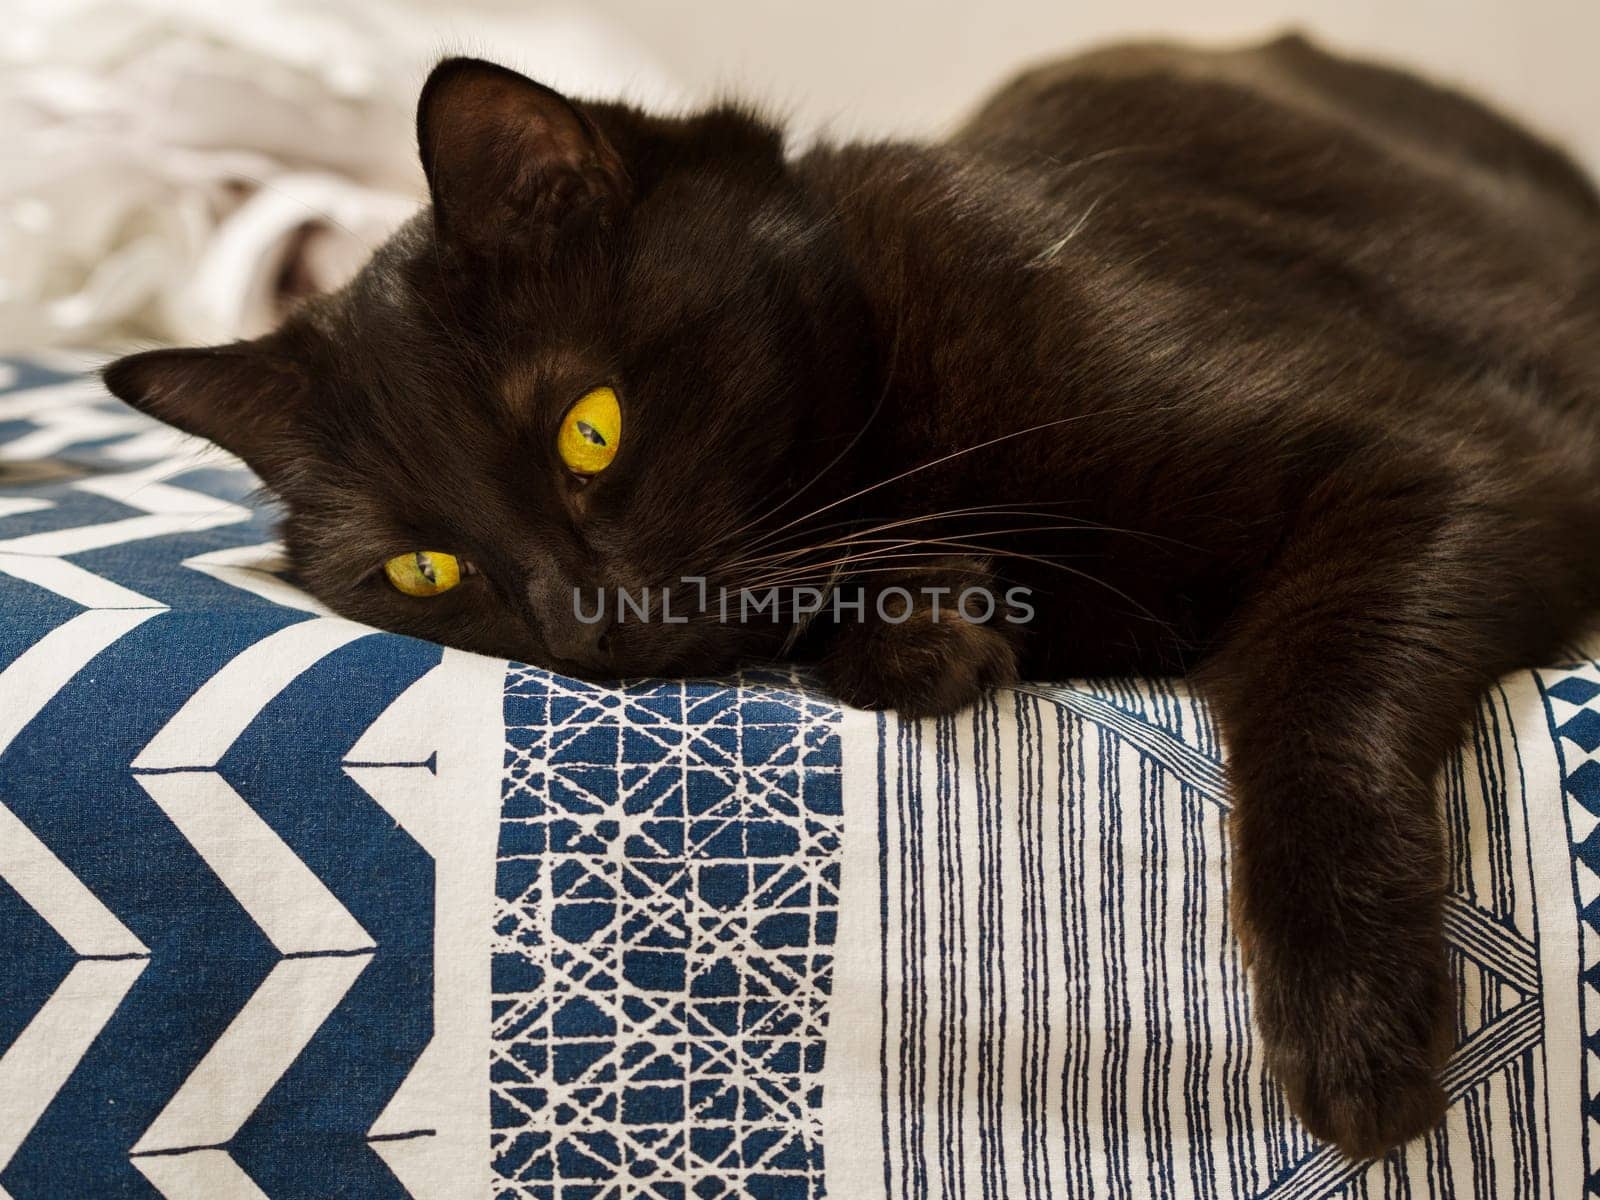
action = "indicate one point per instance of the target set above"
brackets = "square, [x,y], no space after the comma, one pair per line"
[511,163]
[242,397]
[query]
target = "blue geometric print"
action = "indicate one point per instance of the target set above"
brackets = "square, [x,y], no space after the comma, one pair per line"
[106,576]
[247,949]
[1572,706]
[668,883]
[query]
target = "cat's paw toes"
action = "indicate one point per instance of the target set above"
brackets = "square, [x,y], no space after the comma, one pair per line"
[1358,1052]
[920,667]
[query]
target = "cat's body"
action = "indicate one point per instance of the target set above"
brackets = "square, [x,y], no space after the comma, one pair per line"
[1343,331]
[1260,288]
[1266,365]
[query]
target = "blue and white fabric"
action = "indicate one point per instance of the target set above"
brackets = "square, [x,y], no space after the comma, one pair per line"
[290,907]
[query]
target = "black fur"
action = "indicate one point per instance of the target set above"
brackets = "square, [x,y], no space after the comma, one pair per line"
[1310,355]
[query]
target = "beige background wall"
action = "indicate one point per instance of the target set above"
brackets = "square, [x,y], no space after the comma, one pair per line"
[914,65]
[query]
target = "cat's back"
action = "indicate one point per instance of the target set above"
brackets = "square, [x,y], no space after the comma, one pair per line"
[1281,99]
[1279,194]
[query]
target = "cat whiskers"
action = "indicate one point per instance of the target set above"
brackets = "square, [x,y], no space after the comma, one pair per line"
[779,549]
[861,430]
[955,454]
[781,606]
[901,550]
[848,559]
[776,556]
[1061,522]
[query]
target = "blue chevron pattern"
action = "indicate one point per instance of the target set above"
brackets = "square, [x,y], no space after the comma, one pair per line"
[215,946]
[293,908]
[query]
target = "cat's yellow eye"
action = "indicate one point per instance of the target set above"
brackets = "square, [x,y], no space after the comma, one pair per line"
[590,432]
[423,572]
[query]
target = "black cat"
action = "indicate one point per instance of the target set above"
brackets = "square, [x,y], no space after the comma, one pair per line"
[1266,365]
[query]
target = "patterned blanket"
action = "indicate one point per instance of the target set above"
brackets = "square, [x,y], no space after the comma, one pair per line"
[293,908]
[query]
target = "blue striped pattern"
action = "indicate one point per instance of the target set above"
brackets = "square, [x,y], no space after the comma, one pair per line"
[1063,1008]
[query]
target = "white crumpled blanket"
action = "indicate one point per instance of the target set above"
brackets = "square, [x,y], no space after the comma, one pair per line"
[183,170]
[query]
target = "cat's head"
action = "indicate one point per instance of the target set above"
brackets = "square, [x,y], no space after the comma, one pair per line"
[602,359]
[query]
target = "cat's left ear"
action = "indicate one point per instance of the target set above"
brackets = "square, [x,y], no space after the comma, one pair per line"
[245,397]
[510,162]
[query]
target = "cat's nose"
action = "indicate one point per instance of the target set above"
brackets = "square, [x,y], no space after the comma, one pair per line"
[584,645]
[576,627]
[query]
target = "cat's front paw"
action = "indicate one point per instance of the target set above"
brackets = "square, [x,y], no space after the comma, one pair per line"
[1356,1040]
[921,667]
